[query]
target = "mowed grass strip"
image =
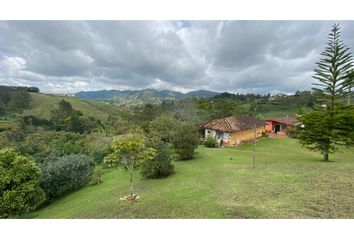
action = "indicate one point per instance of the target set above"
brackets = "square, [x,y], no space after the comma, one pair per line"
[288,182]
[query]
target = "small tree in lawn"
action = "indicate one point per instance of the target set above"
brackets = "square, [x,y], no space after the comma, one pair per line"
[129,152]
[321,129]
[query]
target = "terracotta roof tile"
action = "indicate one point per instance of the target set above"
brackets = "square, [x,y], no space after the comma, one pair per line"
[233,124]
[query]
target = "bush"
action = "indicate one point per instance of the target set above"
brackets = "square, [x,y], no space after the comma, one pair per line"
[210,142]
[66,143]
[96,175]
[97,146]
[159,166]
[292,132]
[19,188]
[265,134]
[43,146]
[185,141]
[65,174]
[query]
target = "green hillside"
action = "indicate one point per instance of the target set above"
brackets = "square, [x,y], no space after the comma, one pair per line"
[42,104]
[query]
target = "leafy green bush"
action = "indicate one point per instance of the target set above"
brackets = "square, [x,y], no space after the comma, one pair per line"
[210,142]
[160,165]
[66,143]
[96,175]
[65,174]
[19,188]
[185,141]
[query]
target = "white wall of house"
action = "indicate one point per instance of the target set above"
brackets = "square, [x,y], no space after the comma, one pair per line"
[218,135]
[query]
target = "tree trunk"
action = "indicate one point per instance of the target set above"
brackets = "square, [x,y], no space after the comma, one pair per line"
[131,184]
[325,157]
[254,145]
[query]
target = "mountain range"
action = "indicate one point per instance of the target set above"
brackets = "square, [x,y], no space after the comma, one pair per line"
[138,97]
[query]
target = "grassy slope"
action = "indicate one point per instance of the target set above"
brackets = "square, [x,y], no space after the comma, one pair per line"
[289,182]
[42,104]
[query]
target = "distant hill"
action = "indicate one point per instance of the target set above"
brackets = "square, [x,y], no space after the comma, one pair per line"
[42,104]
[137,97]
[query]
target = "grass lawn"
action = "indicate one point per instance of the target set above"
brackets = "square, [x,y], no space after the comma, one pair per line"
[288,182]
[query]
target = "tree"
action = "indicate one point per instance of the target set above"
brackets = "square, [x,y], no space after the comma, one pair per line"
[2,108]
[66,118]
[60,115]
[19,184]
[349,85]
[5,94]
[129,152]
[65,108]
[321,131]
[160,165]
[165,126]
[20,100]
[186,110]
[333,70]
[185,140]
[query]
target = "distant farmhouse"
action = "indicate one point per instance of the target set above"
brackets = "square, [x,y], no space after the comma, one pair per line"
[278,127]
[233,131]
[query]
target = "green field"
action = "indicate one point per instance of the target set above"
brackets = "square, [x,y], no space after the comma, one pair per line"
[42,104]
[288,182]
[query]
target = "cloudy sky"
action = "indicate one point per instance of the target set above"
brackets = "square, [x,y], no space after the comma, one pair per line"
[233,56]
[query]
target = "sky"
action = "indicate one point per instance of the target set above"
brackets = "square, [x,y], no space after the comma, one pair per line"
[234,56]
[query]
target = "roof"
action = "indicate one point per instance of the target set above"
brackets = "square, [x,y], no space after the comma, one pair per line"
[233,124]
[285,120]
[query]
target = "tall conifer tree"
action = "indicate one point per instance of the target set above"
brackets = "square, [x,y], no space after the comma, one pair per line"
[331,123]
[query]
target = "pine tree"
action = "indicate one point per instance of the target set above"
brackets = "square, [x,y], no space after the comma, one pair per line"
[333,69]
[350,85]
[330,125]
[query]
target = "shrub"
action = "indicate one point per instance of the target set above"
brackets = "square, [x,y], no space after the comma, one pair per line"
[265,134]
[96,175]
[210,142]
[160,165]
[19,188]
[292,132]
[97,146]
[185,141]
[66,143]
[65,174]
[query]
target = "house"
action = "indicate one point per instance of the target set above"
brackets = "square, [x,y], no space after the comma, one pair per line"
[233,131]
[279,126]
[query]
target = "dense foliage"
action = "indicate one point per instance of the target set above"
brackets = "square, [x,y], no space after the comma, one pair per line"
[65,174]
[185,140]
[210,142]
[19,188]
[160,165]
